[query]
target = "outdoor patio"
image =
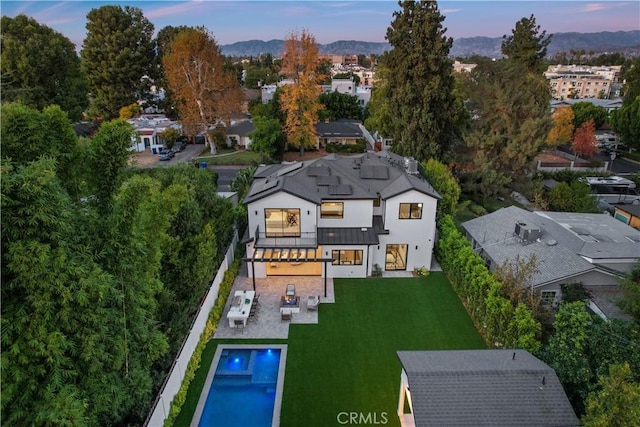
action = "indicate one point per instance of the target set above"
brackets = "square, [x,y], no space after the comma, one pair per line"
[268,323]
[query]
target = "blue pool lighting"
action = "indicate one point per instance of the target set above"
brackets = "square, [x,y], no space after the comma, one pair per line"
[237,360]
[269,351]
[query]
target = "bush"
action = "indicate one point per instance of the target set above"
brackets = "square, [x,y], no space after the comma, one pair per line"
[358,147]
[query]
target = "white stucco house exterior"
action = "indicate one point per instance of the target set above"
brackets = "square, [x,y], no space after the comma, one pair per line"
[339,216]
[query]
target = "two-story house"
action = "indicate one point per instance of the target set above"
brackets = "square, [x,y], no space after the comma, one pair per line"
[340,216]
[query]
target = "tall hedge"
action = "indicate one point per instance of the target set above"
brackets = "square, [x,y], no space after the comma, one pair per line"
[502,324]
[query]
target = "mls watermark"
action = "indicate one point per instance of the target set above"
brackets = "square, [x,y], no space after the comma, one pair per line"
[362,418]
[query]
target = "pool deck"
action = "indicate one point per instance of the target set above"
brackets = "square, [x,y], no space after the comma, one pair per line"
[268,323]
[212,372]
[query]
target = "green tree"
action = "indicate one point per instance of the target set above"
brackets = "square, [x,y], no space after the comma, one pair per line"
[170,135]
[585,111]
[566,351]
[349,76]
[117,52]
[618,401]
[267,138]
[441,178]
[511,122]
[108,156]
[526,45]
[40,67]
[626,122]
[420,82]
[631,286]
[242,181]
[339,106]
[631,89]
[573,197]
[380,117]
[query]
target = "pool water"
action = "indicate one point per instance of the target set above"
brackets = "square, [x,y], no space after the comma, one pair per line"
[243,389]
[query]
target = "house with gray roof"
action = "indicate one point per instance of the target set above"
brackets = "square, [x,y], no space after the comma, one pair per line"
[592,249]
[339,216]
[480,388]
[238,134]
[342,132]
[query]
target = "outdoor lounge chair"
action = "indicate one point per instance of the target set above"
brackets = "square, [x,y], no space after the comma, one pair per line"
[312,302]
[291,290]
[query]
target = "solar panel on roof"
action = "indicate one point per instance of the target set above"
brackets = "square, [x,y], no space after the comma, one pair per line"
[340,190]
[267,185]
[328,180]
[374,172]
[290,168]
[318,171]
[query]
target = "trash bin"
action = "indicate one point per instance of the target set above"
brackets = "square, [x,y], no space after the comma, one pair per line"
[154,150]
[203,164]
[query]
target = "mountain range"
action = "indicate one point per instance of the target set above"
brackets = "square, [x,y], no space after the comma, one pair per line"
[627,42]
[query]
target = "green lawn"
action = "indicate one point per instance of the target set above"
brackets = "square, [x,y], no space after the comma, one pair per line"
[348,362]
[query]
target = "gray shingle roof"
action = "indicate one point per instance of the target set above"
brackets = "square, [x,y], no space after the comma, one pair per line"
[313,184]
[494,233]
[242,128]
[338,129]
[484,388]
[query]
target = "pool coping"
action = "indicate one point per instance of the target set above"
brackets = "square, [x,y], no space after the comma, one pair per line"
[277,404]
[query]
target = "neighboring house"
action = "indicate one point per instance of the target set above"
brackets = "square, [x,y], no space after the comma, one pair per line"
[341,132]
[339,216]
[238,134]
[609,104]
[628,214]
[592,249]
[480,388]
[149,128]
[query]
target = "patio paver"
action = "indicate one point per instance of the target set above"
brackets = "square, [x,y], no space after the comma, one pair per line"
[268,323]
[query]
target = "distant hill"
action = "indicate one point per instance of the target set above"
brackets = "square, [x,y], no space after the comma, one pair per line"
[606,41]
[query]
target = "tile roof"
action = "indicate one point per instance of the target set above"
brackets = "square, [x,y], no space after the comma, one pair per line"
[484,388]
[311,181]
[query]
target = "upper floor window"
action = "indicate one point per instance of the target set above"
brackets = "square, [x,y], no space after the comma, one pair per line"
[282,222]
[332,210]
[410,211]
[376,202]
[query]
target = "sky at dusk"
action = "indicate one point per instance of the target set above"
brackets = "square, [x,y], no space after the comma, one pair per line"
[329,21]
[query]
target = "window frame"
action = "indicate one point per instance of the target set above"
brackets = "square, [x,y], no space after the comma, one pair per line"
[413,207]
[338,261]
[330,216]
[270,233]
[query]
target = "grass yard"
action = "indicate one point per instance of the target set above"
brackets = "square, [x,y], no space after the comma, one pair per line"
[348,362]
[232,158]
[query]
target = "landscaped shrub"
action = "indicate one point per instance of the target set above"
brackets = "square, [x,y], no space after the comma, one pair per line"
[501,323]
[358,147]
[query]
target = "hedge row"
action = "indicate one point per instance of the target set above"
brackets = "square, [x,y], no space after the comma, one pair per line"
[209,330]
[502,324]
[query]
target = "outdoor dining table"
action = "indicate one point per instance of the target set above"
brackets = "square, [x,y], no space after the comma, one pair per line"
[241,310]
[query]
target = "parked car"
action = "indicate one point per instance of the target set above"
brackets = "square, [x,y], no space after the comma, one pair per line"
[166,154]
[179,146]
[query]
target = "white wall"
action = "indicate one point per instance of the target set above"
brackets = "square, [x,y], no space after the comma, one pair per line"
[413,232]
[348,270]
[282,200]
[357,213]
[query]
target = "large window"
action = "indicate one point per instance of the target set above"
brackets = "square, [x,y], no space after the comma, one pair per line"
[282,222]
[396,257]
[347,257]
[331,210]
[410,211]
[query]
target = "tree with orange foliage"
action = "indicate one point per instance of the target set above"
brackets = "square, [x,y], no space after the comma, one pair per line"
[205,93]
[584,140]
[300,98]
[562,129]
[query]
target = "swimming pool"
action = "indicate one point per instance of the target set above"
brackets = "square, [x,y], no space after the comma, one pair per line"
[243,387]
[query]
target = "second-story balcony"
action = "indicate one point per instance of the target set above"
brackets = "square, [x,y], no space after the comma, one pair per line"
[285,239]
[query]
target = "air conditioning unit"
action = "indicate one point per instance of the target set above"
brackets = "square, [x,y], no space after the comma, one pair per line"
[411,165]
[527,232]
